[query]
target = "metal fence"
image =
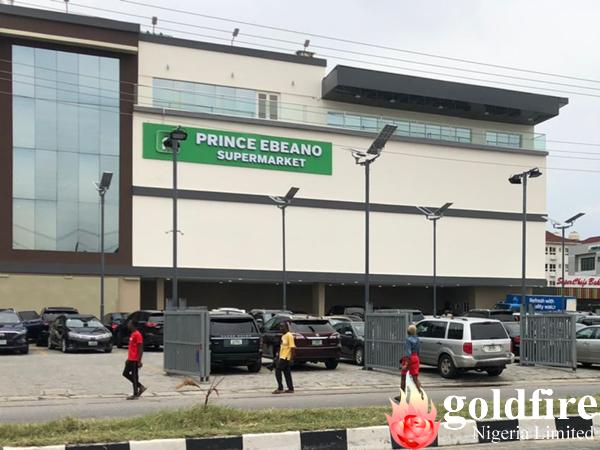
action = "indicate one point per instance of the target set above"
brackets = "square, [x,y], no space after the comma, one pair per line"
[549,339]
[187,343]
[385,333]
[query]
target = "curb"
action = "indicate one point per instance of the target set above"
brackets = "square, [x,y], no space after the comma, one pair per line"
[368,438]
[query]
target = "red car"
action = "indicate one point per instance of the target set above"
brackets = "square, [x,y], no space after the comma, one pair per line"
[316,340]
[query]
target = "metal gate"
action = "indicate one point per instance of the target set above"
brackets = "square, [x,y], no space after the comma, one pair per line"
[549,339]
[187,343]
[385,333]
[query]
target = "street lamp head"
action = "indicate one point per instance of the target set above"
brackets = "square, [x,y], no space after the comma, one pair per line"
[574,218]
[515,179]
[277,200]
[440,212]
[291,194]
[178,134]
[384,135]
[104,183]
[425,210]
[534,173]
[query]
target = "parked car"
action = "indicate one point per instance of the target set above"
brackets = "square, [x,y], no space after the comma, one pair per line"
[415,314]
[334,320]
[464,343]
[352,336]
[503,315]
[262,316]
[235,340]
[13,334]
[590,320]
[514,332]
[74,332]
[34,324]
[49,314]
[229,310]
[342,310]
[588,345]
[150,325]
[113,320]
[316,340]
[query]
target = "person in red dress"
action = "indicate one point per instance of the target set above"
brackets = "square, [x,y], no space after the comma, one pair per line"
[134,360]
[410,360]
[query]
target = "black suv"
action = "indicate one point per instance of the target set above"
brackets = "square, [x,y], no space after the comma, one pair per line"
[150,325]
[49,315]
[235,341]
[34,324]
[13,334]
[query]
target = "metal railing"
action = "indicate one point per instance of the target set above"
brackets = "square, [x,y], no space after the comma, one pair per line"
[187,343]
[385,334]
[549,340]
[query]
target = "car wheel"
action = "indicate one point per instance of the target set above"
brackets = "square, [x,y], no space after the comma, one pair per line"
[586,365]
[331,364]
[64,346]
[108,349]
[255,368]
[495,371]
[446,367]
[50,346]
[119,340]
[359,356]
[25,350]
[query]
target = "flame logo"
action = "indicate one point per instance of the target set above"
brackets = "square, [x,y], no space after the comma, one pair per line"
[412,423]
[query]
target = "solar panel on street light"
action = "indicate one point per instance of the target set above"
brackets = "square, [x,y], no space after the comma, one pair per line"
[384,135]
[105,180]
[291,193]
[574,218]
[443,209]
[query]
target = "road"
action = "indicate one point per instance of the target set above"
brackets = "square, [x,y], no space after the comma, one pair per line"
[45,410]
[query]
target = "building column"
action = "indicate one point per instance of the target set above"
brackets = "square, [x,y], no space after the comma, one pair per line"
[318,299]
[129,294]
[160,293]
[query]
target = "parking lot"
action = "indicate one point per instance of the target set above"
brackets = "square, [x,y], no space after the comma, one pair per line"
[47,374]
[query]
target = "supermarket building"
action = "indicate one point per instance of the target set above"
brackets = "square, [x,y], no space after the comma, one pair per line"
[85,95]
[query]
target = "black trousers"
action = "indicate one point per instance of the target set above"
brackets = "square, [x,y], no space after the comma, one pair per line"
[284,367]
[131,372]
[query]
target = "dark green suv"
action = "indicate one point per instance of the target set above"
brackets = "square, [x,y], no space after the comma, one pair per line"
[235,341]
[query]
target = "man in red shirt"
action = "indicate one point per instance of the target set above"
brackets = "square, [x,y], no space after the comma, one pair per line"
[134,360]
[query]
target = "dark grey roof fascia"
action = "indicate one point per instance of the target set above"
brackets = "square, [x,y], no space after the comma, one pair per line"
[325,129]
[360,78]
[231,49]
[260,276]
[342,205]
[75,19]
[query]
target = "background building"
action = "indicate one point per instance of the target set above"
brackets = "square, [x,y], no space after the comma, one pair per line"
[88,95]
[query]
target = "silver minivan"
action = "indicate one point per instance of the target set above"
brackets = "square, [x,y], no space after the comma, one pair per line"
[464,343]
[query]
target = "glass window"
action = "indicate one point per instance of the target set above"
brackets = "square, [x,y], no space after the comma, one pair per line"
[503,139]
[226,327]
[587,263]
[62,123]
[487,330]
[455,331]
[335,119]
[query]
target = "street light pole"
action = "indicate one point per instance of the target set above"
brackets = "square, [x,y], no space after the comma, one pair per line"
[366,159]
[563,227]
[282,203]
[102,187]
[173,141]
[521,178]
[434,216]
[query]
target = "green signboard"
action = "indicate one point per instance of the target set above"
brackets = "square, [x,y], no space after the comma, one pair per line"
[229,148]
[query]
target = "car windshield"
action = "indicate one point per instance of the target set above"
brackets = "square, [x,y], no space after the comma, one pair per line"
[513,328]
[8,317]
[311,326]
[487,330]
[84,323]
[29,315]
[359,328]
[232,326]
[417,316]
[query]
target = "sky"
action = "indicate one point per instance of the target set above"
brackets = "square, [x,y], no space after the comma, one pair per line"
[551,36]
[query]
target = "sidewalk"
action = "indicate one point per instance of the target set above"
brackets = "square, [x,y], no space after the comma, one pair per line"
[52,375]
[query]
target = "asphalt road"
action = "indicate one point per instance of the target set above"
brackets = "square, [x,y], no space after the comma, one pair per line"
[45,410]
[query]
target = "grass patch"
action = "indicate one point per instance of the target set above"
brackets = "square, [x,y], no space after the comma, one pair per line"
[212,421]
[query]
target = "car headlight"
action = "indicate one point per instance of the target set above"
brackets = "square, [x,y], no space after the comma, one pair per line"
[21,333]
[105,336]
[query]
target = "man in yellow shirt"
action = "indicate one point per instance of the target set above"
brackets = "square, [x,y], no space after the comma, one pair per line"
[284,362]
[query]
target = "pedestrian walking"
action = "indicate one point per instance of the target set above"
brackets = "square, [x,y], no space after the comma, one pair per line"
[410,360]
[134,360]
[284,362]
